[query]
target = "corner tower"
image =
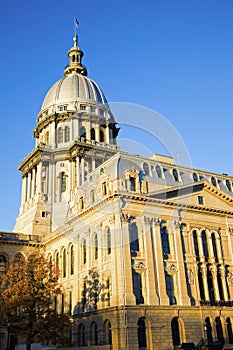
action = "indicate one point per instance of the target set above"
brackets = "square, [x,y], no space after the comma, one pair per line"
[75,133]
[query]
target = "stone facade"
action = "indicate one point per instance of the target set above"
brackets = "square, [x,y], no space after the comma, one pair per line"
[144,246]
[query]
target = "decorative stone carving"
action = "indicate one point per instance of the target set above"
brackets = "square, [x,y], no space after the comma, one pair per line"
[230,278]
[139,267]
[171,269]
[125,217]
[191,276]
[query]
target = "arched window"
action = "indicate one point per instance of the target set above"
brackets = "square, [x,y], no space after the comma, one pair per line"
[213,239]
[73,58]
[60,135]
[93,334]
[3,265]
[220,286]
[158,171]
[142,342]
[210,283]
[204,244]
[47,137]
[83,132]
[92,134]
[104,188]
[18,259]
[195,243]
[208,330]
[95,241]
[175,175]
[57,260]
[133,236]
[200,282]
[229,330]
[219,330]
[107,332]
[84,251]
[132,183]
[175,331]
[229,185]
[195,177]
[170,288]
[64,263]
[62,182]
[146,169]
[165,240]
[81,335]
[72,260]
[213,181]
[108,240]
[67,134]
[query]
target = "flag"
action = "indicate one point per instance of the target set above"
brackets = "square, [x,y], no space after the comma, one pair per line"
[76,22]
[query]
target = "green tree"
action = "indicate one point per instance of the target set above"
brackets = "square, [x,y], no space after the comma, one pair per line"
[27,292]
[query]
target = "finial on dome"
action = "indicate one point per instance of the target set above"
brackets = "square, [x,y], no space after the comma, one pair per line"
[75,55]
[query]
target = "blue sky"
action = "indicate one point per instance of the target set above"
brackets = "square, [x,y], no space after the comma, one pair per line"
[173,56]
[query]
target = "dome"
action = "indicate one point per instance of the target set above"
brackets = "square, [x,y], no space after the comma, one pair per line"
[72,90]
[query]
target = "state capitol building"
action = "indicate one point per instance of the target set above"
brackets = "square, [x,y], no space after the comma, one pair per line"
[157,236]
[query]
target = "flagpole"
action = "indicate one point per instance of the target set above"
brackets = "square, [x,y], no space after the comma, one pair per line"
[74,27]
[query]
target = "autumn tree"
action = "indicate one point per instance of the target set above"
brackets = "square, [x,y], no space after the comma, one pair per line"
[27,292]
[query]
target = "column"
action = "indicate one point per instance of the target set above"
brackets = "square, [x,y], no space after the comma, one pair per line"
[23,198]
[29,186]
[204,279]
[182,293]
[33,182]
[150,256]
[107,134]
[97,133]
[77,172]
[223,281]
[210,246]
[93,163]
[159,266]
[88,130]
[200,247]
[82,171]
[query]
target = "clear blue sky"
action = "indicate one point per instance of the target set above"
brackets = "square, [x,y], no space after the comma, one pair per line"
[174,56]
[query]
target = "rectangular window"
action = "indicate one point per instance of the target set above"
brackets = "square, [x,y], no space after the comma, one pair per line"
[82,107]
[92,109]
[200,200]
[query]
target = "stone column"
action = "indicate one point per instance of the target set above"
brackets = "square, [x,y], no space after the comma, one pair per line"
[23,198]
[223,281]
[97,133]
[82,171]
[38,180]
[199,242]
[150,265]
[159,266]
[29,186]
[107,134]
[204,279]
[93,163]
[182,292]
[210,246]
[77,172]
[88,130]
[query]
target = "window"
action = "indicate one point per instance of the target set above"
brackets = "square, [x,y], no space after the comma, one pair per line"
[107,333]
[229,185]
[92,109]
[142,333]
[108,240]
[219,330]
[195,177]
[84,252]
[132,183]
[60,135]
[101,135]
[92,134]
[64,263]
[72,260]
[57,260]
[81,335]
[104,188]
[165,240]
[201,284]
[158,171]
[229,330]
[81,203]
[175,331]
[82,107]
[47,137]
[200,200]
[208,330]
[137,287]
[83,132]
[108,290]
[62,304]
[204,244]
[92,196]
[63,183]
[195,243]
[101,112]
[67,134]
[133,236]
[170,288]
[175,175]
[213,181]
[3,265]
[146,168]
[213,239]
[95,241]
[93,334]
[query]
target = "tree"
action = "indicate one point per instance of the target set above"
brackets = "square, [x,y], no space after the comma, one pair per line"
[27,292]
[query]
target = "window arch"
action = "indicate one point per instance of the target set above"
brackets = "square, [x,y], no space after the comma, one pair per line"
[93,334]
[18,258]
[195,244]
[195,177]
[83,132]
[81,335]
[95,242]
[64,263]
[213,181]
[60,135]
[107,332]
[146,168]
[175,331]
[72,259]
[175,175]
[165,240]
[142,336]
[213,239]
[229,185]
[67,134]
[204,244]
[208,330]
[158,170]
[219,330]
[92,134]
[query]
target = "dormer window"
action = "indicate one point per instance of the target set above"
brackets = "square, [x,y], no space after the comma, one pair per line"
[92,109]
[146,169]
[229,185]
[158,171]
[195,177]
[62,108]
[82,107]
[213,181]
[175,175]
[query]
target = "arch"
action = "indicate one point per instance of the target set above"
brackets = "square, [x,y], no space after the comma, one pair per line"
[213,181]
[219,330]
[195,177]
[158,170]
[18,258]
[142,333]
[146,168]
[93,334]
[229,185]
[165,240]
[229,330]
[67,134]
[204,244]
[60,135]
[81,335]
[175,331]
[107,332]
[175,174]
[208,329]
